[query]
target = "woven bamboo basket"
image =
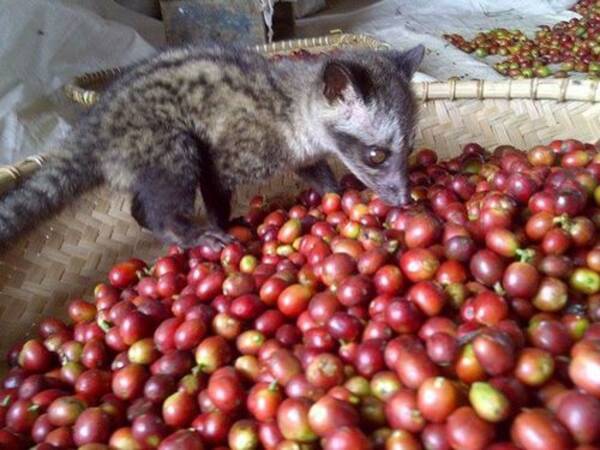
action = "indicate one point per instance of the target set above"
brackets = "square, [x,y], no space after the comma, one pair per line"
[68,254]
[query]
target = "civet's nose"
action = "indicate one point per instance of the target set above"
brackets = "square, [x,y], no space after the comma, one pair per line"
[396,195]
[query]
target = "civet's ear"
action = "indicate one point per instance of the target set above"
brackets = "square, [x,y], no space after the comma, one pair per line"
[410,60]
[338,81]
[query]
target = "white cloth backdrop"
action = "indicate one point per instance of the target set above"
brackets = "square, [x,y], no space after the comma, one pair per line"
[44,43]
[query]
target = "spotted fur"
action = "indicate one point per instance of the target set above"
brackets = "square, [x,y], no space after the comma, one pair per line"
[205,120]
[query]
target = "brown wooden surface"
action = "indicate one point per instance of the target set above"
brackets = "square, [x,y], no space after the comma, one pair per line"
[283,20]
[229,21]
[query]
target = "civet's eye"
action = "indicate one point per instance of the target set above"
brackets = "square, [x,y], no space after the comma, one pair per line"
[377,156]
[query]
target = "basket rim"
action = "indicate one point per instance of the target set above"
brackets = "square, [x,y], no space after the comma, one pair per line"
[78,89]
[559,89]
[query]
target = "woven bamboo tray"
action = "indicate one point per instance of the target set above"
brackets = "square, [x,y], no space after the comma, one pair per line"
[66,255]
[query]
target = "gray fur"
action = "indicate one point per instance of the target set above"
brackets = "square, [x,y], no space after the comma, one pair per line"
[207,120]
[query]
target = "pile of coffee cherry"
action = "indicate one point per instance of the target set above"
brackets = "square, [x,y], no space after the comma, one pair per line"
[468,320]
[565,48]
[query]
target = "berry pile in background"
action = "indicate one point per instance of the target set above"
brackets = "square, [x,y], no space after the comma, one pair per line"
[558,51]
[467,321]
[302,54]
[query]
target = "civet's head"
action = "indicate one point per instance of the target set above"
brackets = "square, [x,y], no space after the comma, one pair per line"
[370,113]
